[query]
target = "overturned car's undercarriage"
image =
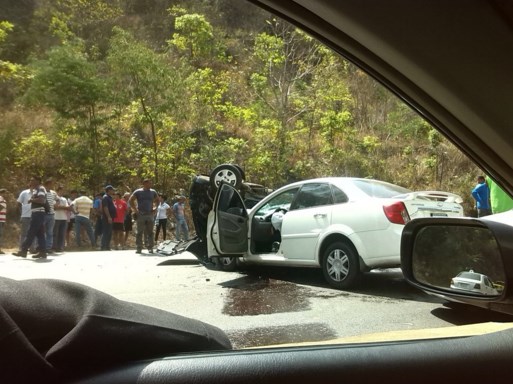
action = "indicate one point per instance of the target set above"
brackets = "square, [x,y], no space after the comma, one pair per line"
[201,197]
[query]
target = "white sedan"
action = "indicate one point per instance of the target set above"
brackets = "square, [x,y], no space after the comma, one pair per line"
[343,225]
[471,281]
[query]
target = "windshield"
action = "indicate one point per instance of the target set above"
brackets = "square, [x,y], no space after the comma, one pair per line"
[470,276]
[121,111]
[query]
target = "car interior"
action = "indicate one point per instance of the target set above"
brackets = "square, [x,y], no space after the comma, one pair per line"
[451,62]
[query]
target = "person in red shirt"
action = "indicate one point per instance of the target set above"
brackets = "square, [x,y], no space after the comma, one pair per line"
[117,222]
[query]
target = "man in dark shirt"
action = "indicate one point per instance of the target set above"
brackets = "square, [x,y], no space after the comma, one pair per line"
[109,213]
[144,202]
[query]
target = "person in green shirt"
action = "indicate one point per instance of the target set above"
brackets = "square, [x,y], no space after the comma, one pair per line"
[500,201]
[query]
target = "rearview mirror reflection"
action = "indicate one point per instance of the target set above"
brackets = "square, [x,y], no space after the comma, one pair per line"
[463,259]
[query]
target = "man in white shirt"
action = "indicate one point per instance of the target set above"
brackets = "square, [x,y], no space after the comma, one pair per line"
[26,213]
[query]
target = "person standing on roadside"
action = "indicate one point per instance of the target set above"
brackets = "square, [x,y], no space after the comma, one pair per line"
[163,212]
[73,194]
[481,194]
[97,216]
[83,206]
[38,209]
[182,229]
[3,217]
[127,224]
[117,226]
[51,197]
[61,220]
[25,213]
[109,214]
[143,203]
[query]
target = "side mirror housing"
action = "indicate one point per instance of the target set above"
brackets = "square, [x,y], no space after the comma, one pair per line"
[465,260]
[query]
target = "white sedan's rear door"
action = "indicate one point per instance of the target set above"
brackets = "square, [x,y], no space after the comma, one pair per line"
[309,216]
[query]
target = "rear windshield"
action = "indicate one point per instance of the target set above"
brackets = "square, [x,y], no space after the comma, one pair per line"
[380,189]
[469,275]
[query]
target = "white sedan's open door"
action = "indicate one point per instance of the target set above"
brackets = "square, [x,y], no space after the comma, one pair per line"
[228,223]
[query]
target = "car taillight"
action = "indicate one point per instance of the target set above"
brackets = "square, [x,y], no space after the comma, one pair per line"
[396,213]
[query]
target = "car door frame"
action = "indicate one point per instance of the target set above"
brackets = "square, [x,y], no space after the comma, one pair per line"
[228,230]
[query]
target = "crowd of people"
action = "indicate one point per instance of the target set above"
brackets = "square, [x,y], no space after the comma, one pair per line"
[49,215]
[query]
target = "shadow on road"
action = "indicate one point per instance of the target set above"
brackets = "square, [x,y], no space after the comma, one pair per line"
[463,314]
[178,262]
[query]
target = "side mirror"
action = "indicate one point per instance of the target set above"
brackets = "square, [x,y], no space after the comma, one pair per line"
[462,259]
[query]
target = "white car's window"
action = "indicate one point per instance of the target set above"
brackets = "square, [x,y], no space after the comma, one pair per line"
[281,201]
[470,276]
[230,202]
[313,195]
[338,195]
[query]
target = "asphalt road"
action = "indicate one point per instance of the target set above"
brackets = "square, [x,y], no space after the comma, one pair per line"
[259,307]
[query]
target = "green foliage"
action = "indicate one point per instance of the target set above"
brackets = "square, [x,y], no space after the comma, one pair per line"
[194,35]
[8,70]
[269,50]
[35,154]
[7,143]
[66,82]
[5,28]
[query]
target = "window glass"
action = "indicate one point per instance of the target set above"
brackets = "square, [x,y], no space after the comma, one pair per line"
[283,200]
[230,201]
[375,188]
[338,195]
[313,195]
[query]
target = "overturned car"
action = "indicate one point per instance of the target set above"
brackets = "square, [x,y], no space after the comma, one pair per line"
[201,197]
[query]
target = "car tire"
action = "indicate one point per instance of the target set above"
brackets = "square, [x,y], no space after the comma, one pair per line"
[242,173]
[340,265]
[228,264]
[228,173]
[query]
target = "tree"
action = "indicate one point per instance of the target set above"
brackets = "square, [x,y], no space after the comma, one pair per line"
[68,83]
[194,34]
[143,76]
[284,61]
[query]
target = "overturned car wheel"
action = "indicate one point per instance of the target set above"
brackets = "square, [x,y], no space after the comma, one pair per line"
[228,264]
[227,173]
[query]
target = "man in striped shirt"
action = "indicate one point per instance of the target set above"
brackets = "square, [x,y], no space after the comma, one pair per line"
[38,208]
[82,207]
[51,198]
